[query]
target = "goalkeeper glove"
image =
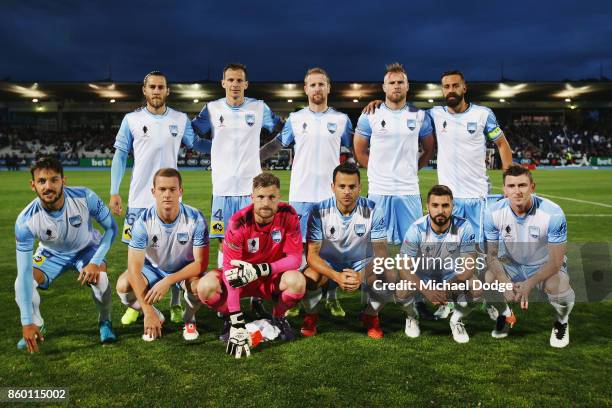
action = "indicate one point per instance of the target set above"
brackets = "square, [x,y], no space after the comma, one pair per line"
[239,338]
[245,273]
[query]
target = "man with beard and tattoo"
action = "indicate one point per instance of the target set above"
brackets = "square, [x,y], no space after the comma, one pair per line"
[153,134]
[387,143]
[318,131]
[61,219]
[440,248]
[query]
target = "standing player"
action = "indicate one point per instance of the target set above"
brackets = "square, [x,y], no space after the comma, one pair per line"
[61,219]
[262,252]
[318,131]
[345,232]
[445,243]
[153,134]
[526,237]
[387,143]
[169,246]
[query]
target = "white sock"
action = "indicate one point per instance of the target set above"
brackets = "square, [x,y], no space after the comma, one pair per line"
[175,295]
[304,263]
[312,299]
[507,311]
[102,295]
[374,306]
[219,259]
[563,303]
[408,306]
[129,299]
[192,305]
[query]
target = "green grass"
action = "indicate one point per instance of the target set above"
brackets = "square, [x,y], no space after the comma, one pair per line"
[338,367]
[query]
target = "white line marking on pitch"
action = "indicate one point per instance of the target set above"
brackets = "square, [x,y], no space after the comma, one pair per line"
[569,199]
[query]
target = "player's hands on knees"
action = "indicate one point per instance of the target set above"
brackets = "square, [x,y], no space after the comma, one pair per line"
[115,204]
[245,273]
[521,292]
[239,341]
[437,297]
[349,280]
[89,274]
[372,106]
[152,324]
[158,291]
[31,334]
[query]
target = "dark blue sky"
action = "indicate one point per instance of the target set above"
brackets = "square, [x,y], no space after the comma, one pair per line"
[278,40]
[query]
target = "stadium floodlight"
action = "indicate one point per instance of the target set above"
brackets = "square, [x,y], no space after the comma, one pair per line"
[508,91]
[568,100]
[196,100]
[112,101]
[502,100]
[571,92]
[290,100]
[572,107]
[35,100]
[430,100]
[355,100]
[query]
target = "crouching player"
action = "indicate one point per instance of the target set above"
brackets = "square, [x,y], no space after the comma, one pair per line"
[344,233]
[441,252]
[526,238]
[61,219]
[169,246]
[262,251]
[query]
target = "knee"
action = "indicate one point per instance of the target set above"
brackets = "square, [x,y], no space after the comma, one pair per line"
[123,284]
[294,281]
[208,286]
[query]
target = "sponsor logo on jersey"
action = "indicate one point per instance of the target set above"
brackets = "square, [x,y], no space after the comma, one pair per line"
[360,229]
[127,232]
[49,235]
[144,131]
[218,227]
[534,231]
[277,236]
[411,124]
[444,124]
[155,242]
[250,119]
[332,232]
[332,127]
[253,244]
[173,130]
[75,221]
[471,127]
[182,237]
[304,127]
[38,259]
[508,232]
[221,120]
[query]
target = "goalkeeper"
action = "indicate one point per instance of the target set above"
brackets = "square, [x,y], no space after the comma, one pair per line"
[263,250]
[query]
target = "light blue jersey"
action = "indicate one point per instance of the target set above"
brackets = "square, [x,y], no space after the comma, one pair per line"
[523,241]
[439,252]
[346,241]
[67,239]
[169,247]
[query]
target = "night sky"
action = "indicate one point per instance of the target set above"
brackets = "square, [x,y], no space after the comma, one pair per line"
[279,40]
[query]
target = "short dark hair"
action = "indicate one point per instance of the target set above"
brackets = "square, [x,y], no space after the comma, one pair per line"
[168,172]
[235,66]
[440,190]
[395,67]
[346,168]
[266,180]
[153,73]
[317,70]
[47,162]
[516,170]
[453,72]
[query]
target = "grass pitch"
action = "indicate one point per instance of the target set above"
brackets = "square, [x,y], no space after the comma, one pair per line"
[338,367]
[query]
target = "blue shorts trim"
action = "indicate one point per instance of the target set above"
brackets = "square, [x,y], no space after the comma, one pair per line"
[52,265]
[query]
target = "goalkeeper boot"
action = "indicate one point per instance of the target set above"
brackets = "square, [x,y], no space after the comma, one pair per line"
[21,344]
[130,316]
[176,313]
[309,326]
[286,332]
[559,336]
[107,335]
[423,311]
[190,332]
[372,325]
[258,308]
[335,308]
[503,324]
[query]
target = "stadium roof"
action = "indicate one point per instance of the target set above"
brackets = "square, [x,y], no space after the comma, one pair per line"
[344,94]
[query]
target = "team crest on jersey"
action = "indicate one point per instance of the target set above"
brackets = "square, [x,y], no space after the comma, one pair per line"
[332,232]
[250,119]
[155,242]
[75,221]
[49,235]
[360,229]
[471,127]
[534,231]
[218,227]
[277,236]
[145,129]
[182,238]
[508,232]
[173,130]
[332,127]
[411,124]
[253,245]
[221,120]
